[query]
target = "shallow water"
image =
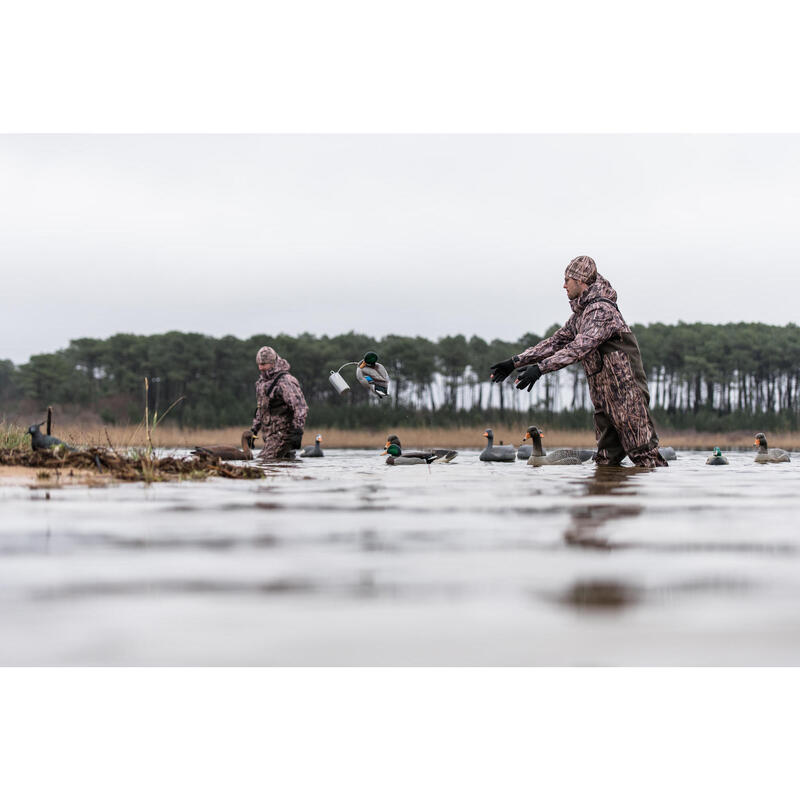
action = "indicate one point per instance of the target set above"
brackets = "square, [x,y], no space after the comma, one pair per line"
[343,560]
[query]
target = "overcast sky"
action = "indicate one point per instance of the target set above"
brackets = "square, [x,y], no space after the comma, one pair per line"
[428,235]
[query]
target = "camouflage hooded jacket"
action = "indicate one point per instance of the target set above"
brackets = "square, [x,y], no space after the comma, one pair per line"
[595,318]
[285,400]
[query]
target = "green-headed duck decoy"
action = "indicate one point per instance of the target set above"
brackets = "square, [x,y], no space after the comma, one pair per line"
[716,457]
[504,452]
[228,453]
[313,450]
[43,441]
[768,455]
[396,457]
[439,453]
[539,458]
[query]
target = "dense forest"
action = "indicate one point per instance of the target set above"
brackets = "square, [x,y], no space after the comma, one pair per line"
[707,377]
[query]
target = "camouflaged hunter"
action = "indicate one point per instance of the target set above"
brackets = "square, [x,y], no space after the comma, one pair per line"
[282,409]
[597,335]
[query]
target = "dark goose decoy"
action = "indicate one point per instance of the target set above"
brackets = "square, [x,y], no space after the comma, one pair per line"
[539,458]
[439,453]
[43,441]
[716,457]
[768,455]
[313,450]
[228,453]
[396,457]
[504,452]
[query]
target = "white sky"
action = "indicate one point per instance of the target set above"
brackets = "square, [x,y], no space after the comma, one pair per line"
[427,234]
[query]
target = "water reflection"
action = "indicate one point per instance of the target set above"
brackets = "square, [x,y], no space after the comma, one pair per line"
[586,520]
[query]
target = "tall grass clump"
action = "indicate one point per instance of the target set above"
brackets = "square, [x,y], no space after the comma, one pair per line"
[13,437]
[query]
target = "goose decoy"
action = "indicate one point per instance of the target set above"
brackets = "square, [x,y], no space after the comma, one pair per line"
[396,457]
[539,458]
[313,450]
[668,453]
[768,455]
[43,441]
[228,453]
[716,457]
[491,453]
[440,453]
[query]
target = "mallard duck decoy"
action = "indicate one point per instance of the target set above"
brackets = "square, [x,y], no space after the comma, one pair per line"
[439,453]
[716,457]
[539,458]
[397,458]
[227,452]
[768,455]
[313,450]
[668,453]
[43,441]
[505,452]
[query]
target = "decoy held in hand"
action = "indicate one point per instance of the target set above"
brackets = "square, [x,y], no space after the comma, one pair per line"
[768,455]
[313,450]
[43,441]
[439,453]
[539,458]
[228,453]
[505,452]
[716,457]
[397,458]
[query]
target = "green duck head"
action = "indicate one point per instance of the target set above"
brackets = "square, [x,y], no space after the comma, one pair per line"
[717,452]
[392,450]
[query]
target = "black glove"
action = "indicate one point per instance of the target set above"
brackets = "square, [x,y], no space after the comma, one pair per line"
[501,370]
[529,377]
[295,438]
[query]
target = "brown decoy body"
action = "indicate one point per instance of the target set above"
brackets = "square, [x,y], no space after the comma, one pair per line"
[228,453]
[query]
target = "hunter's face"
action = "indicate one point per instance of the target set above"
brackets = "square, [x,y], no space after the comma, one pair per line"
[574,288]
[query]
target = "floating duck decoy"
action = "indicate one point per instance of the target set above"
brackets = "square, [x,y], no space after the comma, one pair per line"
[397,458]
[313,450]
[768,455]
[539,458]
[716,457]
[43,441]
[505,452]
[668,453]
[439,453]
[227,452]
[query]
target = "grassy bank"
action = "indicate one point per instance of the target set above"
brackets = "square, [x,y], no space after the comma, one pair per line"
[464,437]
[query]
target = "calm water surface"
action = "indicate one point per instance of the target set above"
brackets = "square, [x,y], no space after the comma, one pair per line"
[343,560]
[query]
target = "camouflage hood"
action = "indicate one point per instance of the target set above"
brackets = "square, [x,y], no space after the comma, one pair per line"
[281,365]
[601,288]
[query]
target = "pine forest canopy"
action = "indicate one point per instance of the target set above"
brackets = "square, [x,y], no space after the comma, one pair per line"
[713,377]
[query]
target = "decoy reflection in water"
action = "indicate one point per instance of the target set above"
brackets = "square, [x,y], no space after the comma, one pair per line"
[43,441]
[313,450]
[227,452]
[397,458]
[439,453]
[539,458]
[768,455]
[716,458]
[504,452]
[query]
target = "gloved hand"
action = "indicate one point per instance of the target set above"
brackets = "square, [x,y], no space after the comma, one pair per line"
[529,377]
[295,438]
[501,370]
